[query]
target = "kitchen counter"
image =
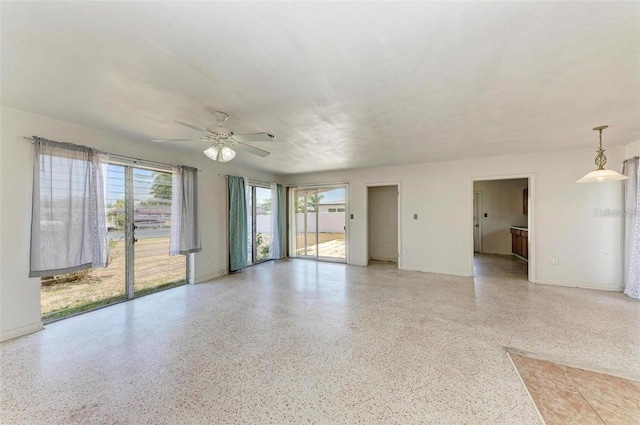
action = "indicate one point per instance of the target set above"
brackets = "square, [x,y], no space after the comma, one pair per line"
[520,242]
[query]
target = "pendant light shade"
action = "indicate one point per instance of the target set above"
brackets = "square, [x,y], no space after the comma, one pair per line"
[220,153]
[601,174]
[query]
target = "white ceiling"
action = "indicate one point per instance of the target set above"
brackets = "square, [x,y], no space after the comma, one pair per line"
[342,85]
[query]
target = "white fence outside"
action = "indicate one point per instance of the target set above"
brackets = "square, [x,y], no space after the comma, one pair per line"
[329,222]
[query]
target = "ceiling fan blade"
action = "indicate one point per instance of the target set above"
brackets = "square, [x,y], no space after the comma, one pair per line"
[174,140]
[191,126]
[251,149]
[255,137]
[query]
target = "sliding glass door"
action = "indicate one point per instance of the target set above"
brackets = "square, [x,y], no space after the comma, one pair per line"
[260,223]
[153,267]
[305,223]
[319,223]
[138,209]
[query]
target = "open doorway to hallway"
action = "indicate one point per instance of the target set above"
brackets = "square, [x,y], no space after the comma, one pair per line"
[502,227]
[382,225]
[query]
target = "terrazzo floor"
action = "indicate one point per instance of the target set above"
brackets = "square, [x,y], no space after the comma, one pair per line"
[298,341]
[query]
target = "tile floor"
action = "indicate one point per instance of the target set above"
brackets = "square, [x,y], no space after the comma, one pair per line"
[569,395]
[298,341]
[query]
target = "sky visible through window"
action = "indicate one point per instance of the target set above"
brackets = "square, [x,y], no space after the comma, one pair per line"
[333,195]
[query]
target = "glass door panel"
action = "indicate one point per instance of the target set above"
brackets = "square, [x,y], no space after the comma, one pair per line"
[332,221]
[71,293]
[250,223]
[263,226]
[319,223]
[154,268]
[305,223]
[139,199]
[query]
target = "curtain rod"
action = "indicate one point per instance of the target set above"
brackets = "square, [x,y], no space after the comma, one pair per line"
[320,185]
[630,159]
[253,181]
[129,158]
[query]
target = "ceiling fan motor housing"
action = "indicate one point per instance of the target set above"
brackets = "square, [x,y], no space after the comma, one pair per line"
[219,133]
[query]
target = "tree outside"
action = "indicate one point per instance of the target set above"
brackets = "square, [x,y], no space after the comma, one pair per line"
[161,188]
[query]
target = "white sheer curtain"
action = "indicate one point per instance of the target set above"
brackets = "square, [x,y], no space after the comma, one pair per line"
[185,233]
[68,216]
[631,275]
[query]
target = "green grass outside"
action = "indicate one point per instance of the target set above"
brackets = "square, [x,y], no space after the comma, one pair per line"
[66,312]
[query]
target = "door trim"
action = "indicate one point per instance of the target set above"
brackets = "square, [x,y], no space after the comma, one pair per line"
[479,222]
[128,232]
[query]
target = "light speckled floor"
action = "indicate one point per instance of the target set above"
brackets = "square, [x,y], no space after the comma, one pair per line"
[304,342]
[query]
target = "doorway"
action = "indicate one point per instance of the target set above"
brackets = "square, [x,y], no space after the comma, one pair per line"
[382,224]
[319,223]
[138,210]
[503,230]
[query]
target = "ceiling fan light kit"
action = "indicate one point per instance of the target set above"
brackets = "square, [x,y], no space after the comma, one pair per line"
[224,141]
[220,154]
[601,174]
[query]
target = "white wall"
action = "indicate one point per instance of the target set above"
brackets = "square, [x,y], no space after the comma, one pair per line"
[383,223]
[631,150]
[19,294]
[502,203]
[441,240]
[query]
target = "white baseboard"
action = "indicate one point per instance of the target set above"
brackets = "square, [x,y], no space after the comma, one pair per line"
[612,288]
[445,272]
[203,279]
[21,331]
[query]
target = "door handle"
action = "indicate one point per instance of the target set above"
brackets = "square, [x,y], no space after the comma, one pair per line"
[133,232]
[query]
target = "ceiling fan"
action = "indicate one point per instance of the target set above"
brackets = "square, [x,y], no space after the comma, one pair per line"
[224,141]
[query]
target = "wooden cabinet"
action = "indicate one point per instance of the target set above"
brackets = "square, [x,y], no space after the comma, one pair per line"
[520,242]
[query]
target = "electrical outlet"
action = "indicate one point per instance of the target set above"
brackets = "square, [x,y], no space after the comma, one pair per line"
[555,261]
[415,216]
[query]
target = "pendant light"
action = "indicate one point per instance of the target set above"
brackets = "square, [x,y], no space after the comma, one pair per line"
[600,174]
[220,153]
